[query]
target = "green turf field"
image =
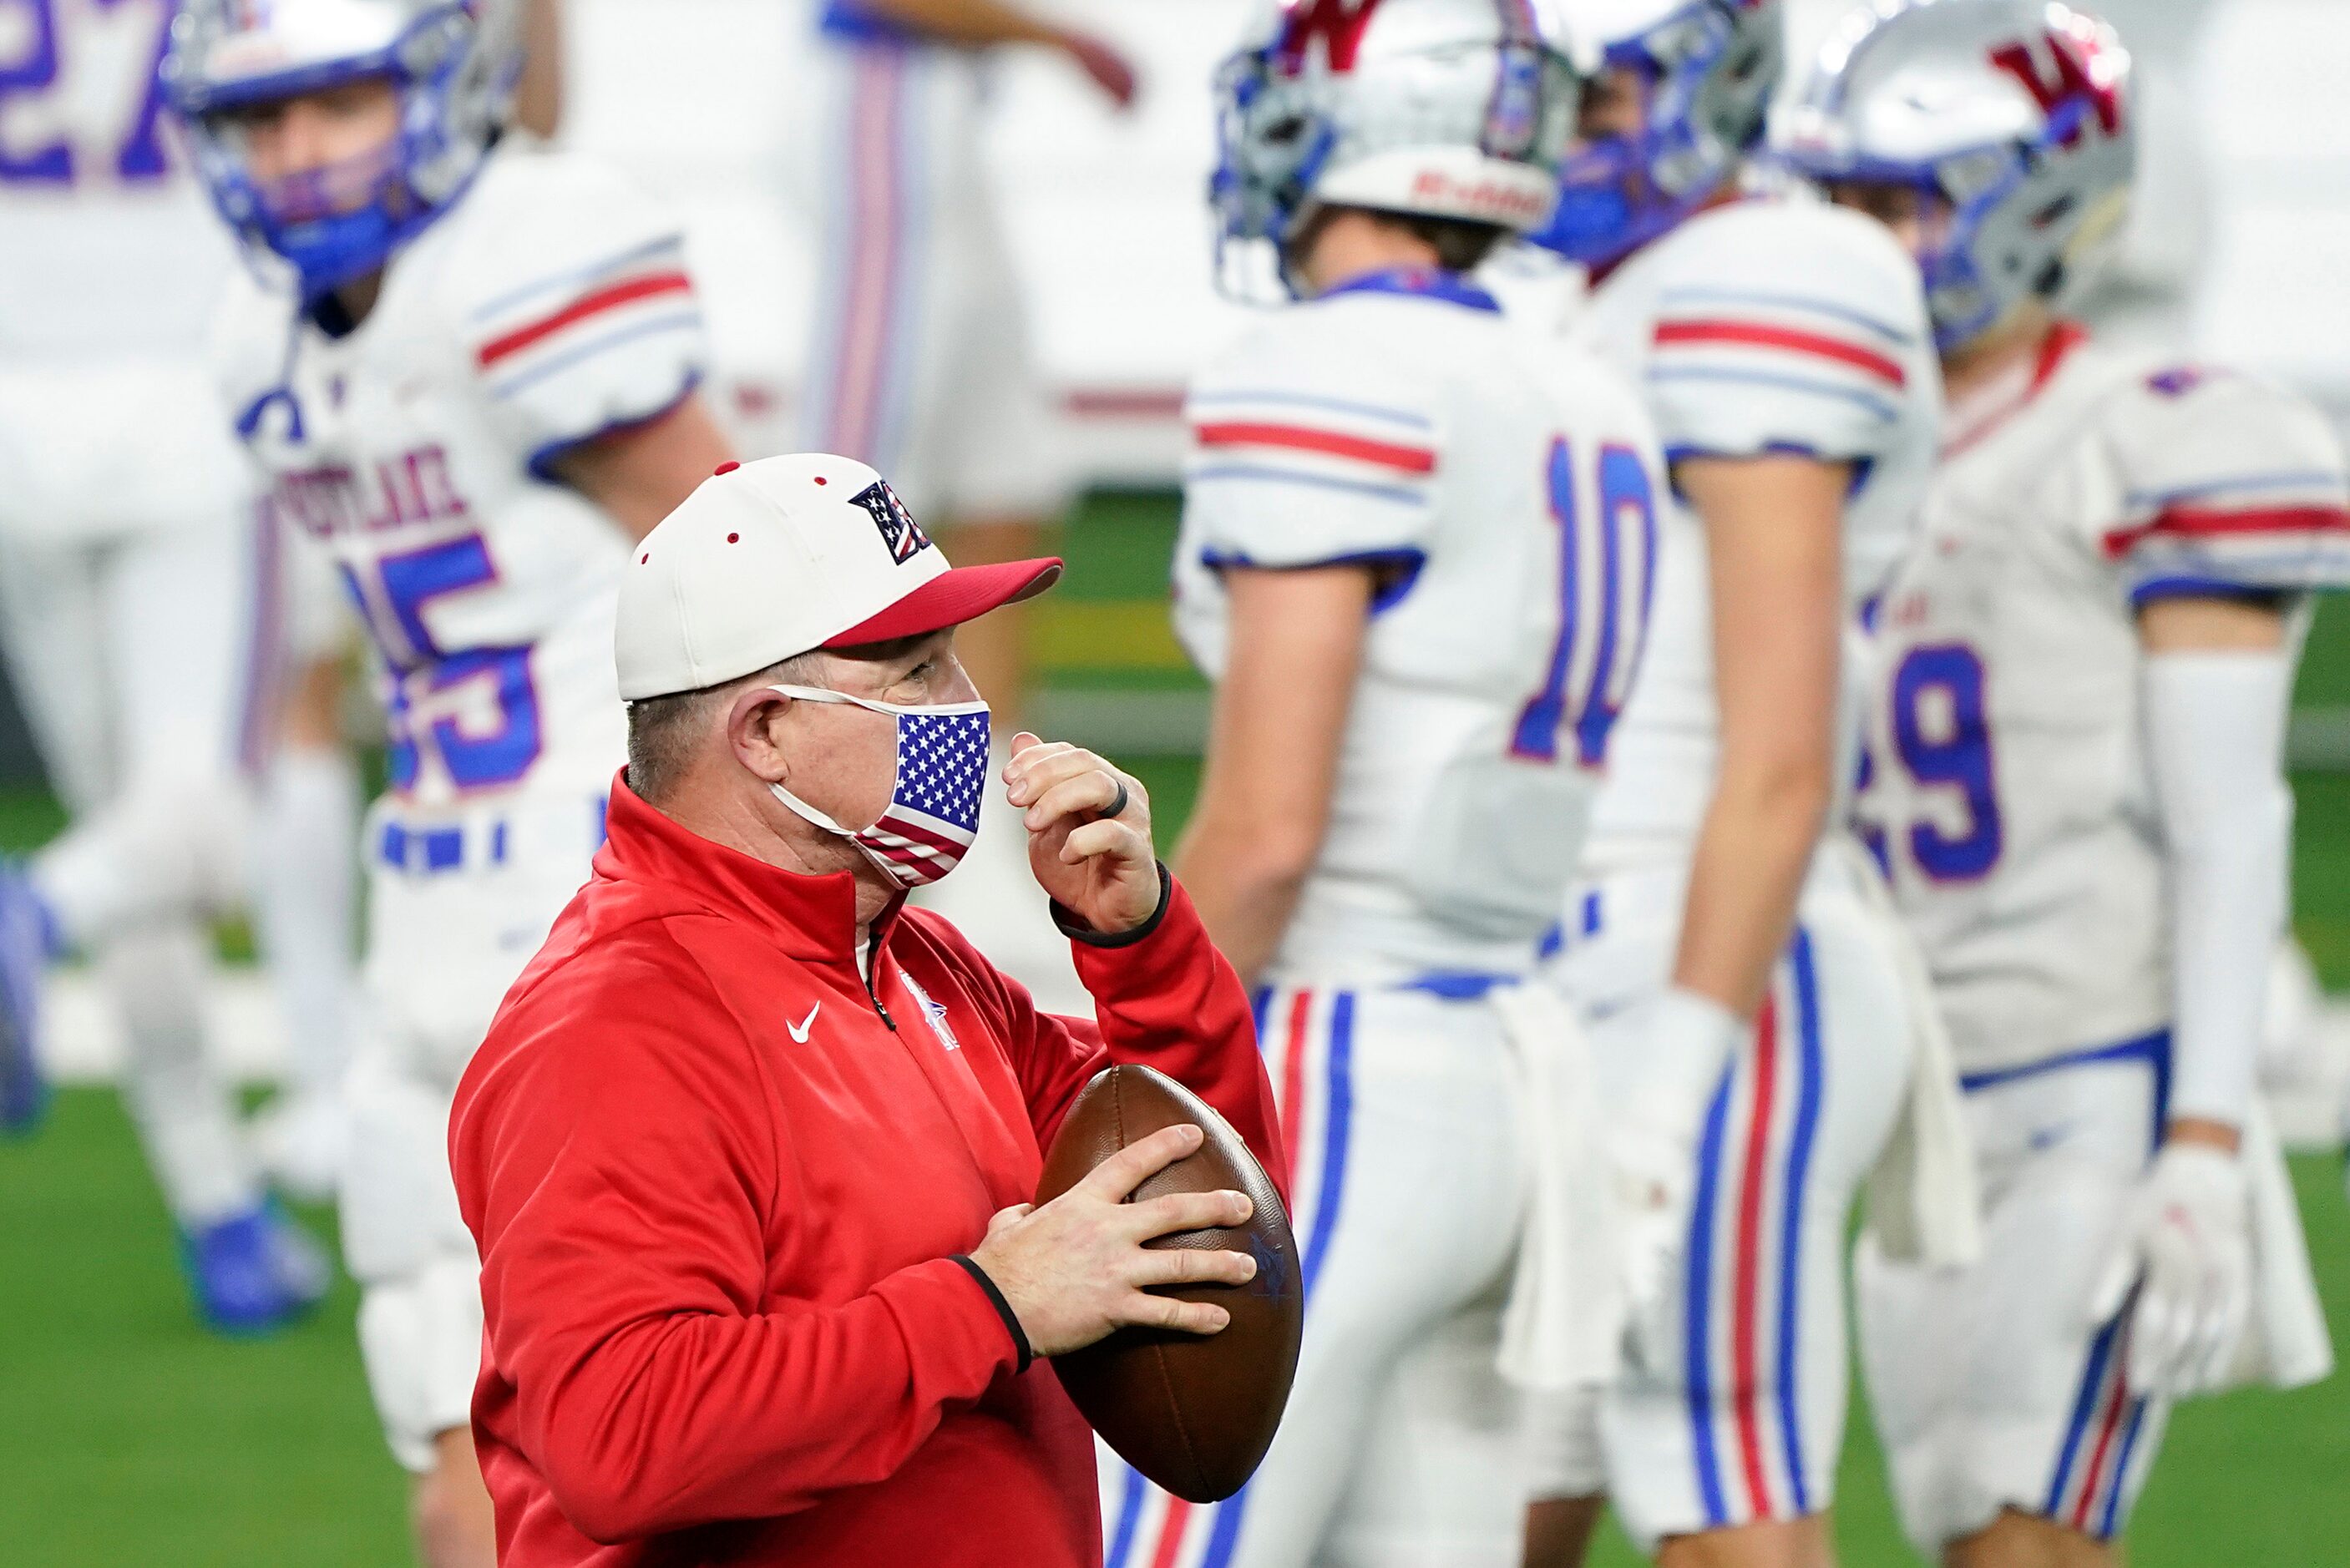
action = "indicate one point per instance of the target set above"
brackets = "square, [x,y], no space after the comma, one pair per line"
[129,1436]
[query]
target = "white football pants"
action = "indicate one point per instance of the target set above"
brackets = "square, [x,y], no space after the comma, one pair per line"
[127,652]
[457,906]
[919,361]
[1992,1386]
[1746,1424]
[1407,1187]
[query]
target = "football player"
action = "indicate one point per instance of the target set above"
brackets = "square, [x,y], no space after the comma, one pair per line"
[1754,1049]
[128,586]
[1415,560]
[920,361]
[475,390]
[2087,668]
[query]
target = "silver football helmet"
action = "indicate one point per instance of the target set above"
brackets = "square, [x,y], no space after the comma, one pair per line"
[2014,118]
[1440,109]
[453,63]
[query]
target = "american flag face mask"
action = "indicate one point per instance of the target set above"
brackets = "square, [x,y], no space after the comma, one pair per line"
[933,811]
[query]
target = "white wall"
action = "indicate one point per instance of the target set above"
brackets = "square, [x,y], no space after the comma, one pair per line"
[1109,221]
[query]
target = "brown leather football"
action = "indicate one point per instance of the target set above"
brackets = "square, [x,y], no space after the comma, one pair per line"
[1193,1414]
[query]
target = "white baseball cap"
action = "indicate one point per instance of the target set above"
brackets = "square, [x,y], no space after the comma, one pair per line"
[773,559]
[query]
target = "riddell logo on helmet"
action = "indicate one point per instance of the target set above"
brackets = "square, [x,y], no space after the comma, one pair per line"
[1487,199]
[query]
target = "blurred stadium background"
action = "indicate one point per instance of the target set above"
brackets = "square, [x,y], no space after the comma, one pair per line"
[127,1436]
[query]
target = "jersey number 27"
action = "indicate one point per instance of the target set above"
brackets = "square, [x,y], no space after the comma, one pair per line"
[31,78]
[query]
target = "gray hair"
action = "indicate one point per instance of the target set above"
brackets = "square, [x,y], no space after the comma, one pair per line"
[666,732]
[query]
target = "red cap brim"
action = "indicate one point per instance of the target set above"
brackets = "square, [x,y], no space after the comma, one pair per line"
[953,596]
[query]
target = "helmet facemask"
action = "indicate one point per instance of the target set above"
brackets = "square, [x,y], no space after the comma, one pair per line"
[1704,78]
[452,67]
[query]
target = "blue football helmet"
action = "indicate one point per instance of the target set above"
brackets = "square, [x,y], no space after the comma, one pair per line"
[1707,69]
[453,62]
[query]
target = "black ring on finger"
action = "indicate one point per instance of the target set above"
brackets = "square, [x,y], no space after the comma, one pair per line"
[1117,807]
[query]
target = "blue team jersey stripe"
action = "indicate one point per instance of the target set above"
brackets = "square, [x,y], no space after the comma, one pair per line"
[1831,309]
[669,245]
[1810,1064]
[1695,1329]
[515,386]
[2246,484]
[1874,405]
[2086,1402]
[1129,1519]
[1337,1115]
[1400,494]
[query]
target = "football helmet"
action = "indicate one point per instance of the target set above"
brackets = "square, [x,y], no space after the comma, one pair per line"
[1440,109]
[2014,118]
[1707,69]
[453,63]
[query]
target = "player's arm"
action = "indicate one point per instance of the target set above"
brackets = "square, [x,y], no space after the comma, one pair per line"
[538,95]
[579,315]
[1773,529]
[1272,751]
[2217,690]
[977,24]
[2239,507]
[1774,415]
[310,714]
[640,472]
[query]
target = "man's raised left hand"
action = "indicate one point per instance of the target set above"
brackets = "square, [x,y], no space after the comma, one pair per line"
[1089,833]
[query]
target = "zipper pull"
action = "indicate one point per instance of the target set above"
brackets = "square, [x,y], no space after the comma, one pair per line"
[873,980]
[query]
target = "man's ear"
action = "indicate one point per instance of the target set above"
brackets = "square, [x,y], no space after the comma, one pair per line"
[751,725]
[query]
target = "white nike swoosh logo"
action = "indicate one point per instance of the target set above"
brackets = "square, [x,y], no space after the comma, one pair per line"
[800,1030]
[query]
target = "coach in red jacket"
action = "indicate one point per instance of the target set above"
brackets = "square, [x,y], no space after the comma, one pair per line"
[746,1150]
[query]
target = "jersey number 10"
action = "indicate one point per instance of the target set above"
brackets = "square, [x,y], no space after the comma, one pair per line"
[1601,628]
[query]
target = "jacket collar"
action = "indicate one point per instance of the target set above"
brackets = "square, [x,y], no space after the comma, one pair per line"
[808,917]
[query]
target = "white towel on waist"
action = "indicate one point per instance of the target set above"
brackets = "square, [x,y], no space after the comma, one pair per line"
[1563,1322]
[2286,1344]
[1925,1196]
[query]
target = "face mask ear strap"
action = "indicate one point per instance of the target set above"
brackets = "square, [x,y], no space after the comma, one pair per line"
[814,694]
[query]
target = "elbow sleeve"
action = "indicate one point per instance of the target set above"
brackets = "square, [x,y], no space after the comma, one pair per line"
[2215,726]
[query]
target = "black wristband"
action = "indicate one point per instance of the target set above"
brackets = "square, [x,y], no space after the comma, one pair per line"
[1077,930]
[1003,1309]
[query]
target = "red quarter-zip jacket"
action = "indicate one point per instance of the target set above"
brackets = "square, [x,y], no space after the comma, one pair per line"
[720,1184]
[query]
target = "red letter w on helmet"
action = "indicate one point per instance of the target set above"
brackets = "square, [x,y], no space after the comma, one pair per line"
[1337,23]
[2080,62]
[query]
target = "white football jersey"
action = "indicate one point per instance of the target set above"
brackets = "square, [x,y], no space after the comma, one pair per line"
[1507,490]
[550,307]
[1764,325]
[111,261]
[2009,776]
